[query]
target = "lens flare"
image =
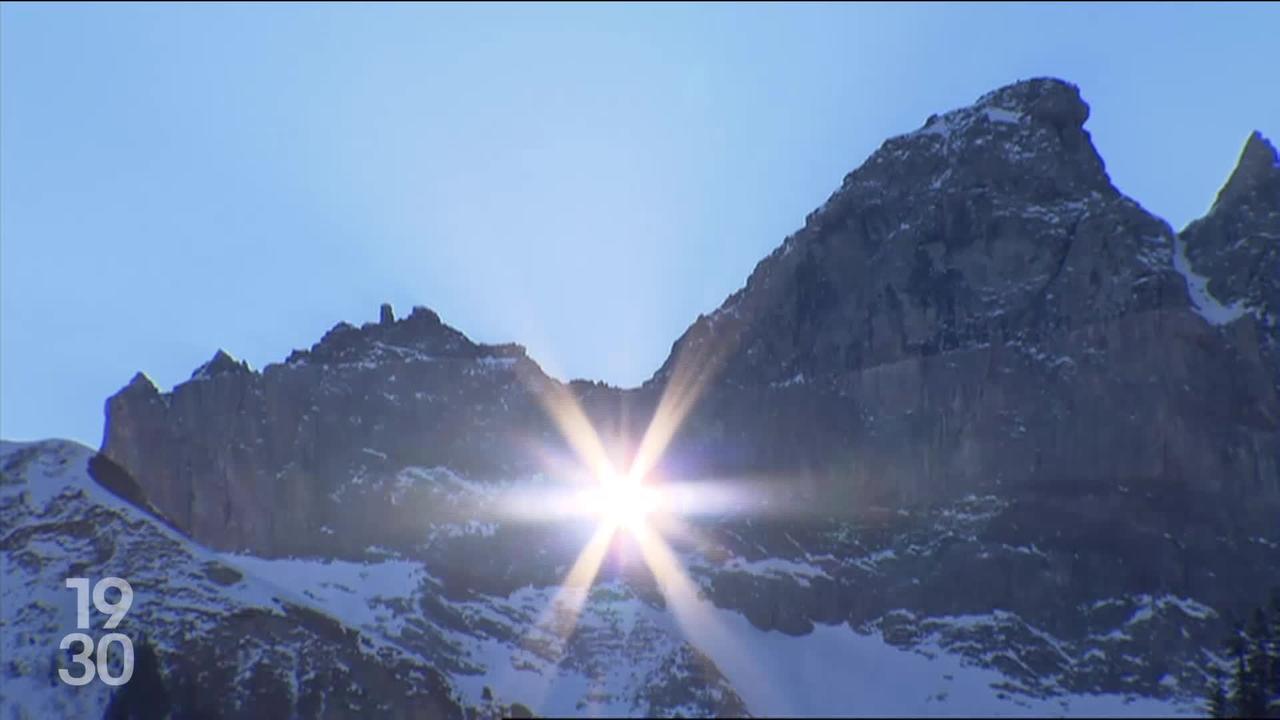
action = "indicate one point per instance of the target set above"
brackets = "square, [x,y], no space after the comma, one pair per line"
[621,501]
[633,501]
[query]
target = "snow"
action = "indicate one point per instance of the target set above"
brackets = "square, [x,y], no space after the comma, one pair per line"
[836,671]
[517,675]
[1148,606]
[546,681]
[53,468]
[53,485]
[496,362]
[1155,254]
[869,562]
[800,572]
[348,591]
[35,696]
[939,127]
[1001,115]
[38,608]
[1202,301]
[36,611]
[958,122]
[796,379]
[831,670]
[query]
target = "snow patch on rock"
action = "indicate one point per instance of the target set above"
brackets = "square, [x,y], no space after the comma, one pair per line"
[1204,303]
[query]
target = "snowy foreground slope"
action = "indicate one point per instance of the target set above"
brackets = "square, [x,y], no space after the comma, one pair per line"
[383,636]
[227,642]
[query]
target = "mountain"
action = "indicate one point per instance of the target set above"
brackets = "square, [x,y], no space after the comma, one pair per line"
[236,641]
[1235,250]
[222,452]
[995,439]
[242,635]
[978,307]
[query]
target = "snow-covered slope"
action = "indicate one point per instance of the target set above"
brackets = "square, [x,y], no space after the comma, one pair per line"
[376,637]
[232,644]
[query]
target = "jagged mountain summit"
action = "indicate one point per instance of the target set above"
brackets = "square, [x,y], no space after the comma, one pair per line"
[296,433]
[988,250]
[987,224]
[1232,255]
[1020,438]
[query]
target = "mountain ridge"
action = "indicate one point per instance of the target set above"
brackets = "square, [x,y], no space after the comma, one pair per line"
[994,236]
[983,404]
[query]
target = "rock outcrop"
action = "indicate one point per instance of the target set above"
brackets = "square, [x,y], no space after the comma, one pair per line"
[1231,256]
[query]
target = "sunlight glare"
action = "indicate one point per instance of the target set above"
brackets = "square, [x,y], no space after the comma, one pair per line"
[620,501]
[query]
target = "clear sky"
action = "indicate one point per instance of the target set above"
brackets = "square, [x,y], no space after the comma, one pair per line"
[581,179]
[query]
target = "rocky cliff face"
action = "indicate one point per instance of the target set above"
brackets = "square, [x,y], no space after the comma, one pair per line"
[991,224]
[1009,413]
[257,460]
[978,306]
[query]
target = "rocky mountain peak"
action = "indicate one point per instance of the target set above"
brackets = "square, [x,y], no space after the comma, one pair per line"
[986,249]
[1231,256]
[1257,170]
[994,220]
[1050,99]
[1032,128]
[142,383]
[221,363]
[422,335]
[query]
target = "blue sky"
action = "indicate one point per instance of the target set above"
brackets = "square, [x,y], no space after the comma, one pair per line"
[581,179]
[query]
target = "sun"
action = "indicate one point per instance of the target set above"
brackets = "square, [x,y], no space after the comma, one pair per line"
[622,501]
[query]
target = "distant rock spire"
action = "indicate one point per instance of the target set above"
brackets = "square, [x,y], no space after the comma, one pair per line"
[386,315]
[1258,161]
[142,382]
[222,362]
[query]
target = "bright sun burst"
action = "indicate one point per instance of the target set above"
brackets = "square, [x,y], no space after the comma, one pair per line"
[622,501]
[634,502]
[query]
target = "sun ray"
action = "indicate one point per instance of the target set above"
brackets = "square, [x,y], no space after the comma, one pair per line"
[643,506]
[692,614]
[559,618]
[670,525]
[702,355]
[576,587]
[562,464]
[565,411]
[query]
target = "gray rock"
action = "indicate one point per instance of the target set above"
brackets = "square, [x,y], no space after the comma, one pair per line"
[1236,249]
